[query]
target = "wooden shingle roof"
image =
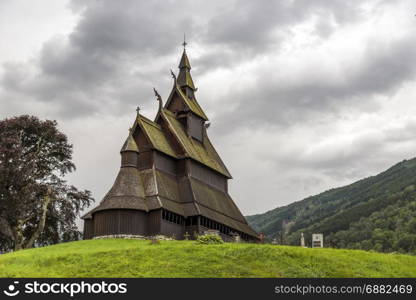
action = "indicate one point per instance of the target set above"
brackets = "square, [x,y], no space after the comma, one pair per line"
[202,152]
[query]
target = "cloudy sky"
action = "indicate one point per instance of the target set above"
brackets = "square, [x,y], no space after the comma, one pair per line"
[303,95]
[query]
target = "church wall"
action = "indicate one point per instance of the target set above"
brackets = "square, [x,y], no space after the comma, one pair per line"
[181,167]
[169,229]
[165,163]
[176,104]
[132,222]
[153,224]
[145,160]
[207,176]
[195,126]
[120,221]
[88,229]
[129,158]
[141,139]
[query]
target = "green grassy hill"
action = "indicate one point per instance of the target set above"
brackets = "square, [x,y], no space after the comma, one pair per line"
[133,258]
[377,213]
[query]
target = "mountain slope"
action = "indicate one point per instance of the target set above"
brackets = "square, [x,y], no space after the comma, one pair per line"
[113,258]
[376,213]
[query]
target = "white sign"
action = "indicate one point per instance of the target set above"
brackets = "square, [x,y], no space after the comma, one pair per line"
[317,240]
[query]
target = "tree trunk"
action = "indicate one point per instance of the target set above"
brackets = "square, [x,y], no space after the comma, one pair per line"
[18,237]
[42,221]
[5,228]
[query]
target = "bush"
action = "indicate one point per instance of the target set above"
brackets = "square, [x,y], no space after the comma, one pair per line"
[209,239]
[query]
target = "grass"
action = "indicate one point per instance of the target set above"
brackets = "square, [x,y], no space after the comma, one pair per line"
[114,258]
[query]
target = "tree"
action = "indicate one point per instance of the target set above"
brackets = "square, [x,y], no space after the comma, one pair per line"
[37,206]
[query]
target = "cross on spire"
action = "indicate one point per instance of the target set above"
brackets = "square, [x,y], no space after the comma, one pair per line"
[184,42]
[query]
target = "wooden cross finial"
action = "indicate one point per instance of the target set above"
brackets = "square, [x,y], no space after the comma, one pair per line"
[184,42]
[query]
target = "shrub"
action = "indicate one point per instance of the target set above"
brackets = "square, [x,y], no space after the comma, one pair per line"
[209,239]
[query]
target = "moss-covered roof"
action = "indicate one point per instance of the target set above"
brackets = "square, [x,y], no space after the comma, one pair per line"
[203,152]
[215,199]
[184,63]
[217,216]
[157,138]
[185,79]
[192,104]
[127,192]
[130,144]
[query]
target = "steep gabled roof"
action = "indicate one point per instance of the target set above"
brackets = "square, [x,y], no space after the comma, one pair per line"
[202,152]
[215,199]
[130,144]
[217,216]
[156,136]
[191,104]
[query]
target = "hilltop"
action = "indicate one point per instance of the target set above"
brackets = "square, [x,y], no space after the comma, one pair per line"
[138,258]
[376,213]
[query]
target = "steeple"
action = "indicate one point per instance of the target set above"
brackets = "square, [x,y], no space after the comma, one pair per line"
[184,78]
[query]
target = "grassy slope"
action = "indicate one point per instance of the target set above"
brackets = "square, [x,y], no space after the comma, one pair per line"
[132,258]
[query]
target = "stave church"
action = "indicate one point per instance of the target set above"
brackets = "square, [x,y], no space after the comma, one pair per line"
[172,181]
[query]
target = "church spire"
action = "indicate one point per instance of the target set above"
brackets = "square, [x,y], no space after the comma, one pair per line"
[184,78]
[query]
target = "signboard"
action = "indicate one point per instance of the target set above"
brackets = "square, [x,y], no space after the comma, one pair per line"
[317,240]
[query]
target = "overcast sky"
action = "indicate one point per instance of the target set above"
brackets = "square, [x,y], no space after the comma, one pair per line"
[302,95]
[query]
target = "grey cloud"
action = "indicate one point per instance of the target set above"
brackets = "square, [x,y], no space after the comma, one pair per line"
[250,26]
[382,70]
[350,159]
[151,28]
[112,39]
[119,50]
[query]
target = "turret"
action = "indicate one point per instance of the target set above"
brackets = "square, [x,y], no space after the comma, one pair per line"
[129,152]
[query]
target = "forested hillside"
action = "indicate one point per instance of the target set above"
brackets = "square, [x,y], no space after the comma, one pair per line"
[376,213]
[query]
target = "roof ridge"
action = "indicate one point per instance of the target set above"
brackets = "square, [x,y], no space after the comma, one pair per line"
[165,110]
[172,129]
[150,122]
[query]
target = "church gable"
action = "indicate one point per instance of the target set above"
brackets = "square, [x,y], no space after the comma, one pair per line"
[203,151]
[179,102]
[156,136]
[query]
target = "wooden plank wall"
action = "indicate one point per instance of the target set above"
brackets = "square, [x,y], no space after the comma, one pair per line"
[207,176]
[120,221]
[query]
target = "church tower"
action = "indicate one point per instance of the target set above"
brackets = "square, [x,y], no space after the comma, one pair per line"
[171,181]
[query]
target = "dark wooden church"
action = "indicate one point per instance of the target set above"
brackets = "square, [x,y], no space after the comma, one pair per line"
[172,181]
